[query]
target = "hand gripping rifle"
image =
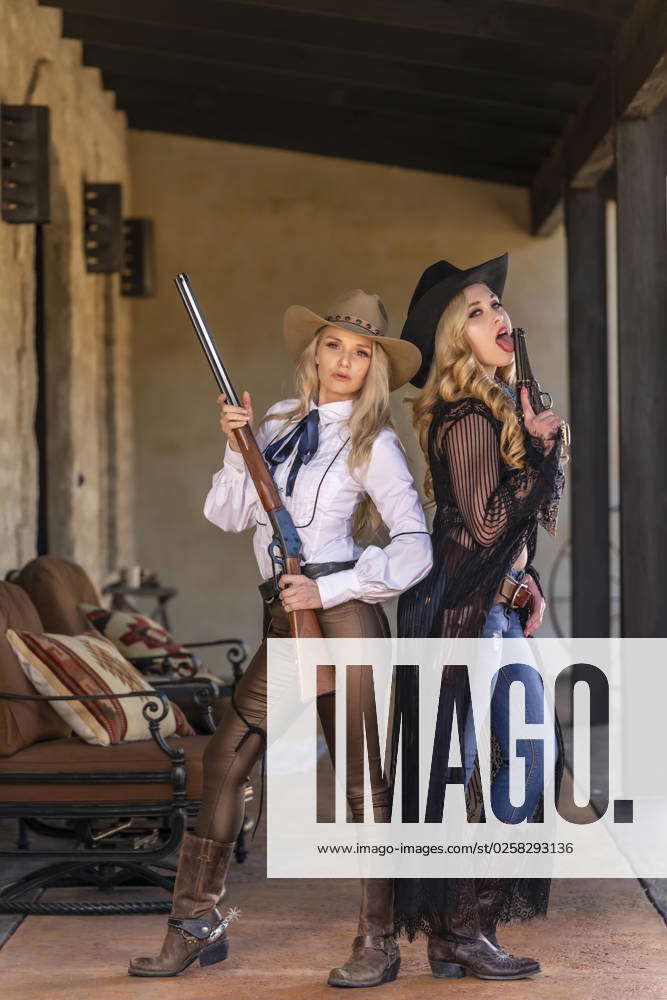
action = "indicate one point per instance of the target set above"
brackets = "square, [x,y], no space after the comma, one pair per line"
[285,549]
[539,400]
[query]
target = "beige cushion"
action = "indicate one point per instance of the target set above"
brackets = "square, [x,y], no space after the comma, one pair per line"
[22,723]
[89,664]
[141,640]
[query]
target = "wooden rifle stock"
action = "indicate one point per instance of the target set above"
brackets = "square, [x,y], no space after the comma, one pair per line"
[303,624]
[285,549]
[260,475]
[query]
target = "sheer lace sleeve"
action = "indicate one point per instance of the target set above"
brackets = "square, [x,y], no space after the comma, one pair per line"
[490,496]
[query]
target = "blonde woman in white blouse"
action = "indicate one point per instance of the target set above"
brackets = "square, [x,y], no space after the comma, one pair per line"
[340,468]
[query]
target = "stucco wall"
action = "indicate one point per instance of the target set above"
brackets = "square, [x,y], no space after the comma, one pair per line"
[87,322]
[259,229]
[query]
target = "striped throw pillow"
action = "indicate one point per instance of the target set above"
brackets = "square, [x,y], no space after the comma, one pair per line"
[90,664]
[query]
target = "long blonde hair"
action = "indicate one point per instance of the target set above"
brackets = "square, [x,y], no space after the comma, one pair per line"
[370,413]
[456,374]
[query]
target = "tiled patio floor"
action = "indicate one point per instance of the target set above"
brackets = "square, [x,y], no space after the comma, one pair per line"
[603,941]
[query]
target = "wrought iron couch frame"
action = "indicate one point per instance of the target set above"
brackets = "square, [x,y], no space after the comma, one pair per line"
[91,861]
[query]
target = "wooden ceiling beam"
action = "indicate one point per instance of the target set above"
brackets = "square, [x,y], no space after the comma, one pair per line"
[440,118]
[334,36]
[633,84]
[496,20]
[413,80]
[248,118]
[362,146]
[618,9]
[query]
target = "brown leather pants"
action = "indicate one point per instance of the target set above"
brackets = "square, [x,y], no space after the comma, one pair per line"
[231,752]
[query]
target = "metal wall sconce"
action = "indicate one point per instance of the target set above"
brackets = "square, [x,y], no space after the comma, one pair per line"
[102,226]
[138,258]
[24,131]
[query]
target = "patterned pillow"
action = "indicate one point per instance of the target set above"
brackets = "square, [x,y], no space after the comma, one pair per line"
[142,641]
[90,664]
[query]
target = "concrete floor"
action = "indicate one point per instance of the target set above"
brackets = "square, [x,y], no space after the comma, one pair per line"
[602,941]
[656,888]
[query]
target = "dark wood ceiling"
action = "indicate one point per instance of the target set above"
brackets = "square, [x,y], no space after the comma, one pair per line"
[480,88]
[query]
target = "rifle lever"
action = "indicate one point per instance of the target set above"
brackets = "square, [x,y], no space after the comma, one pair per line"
[277,563]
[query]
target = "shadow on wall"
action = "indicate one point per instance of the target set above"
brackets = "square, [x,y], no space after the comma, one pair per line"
[59,366]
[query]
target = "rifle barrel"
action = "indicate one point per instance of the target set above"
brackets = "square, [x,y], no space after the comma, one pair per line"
[209,348]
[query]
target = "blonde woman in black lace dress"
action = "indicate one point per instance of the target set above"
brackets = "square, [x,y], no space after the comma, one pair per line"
[493,480]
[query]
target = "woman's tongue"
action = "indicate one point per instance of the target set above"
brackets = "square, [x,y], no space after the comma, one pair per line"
[506,341]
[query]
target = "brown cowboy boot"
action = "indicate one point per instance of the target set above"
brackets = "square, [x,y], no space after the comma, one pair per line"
[489,897]
[375,957]
[196,928]
[458,948]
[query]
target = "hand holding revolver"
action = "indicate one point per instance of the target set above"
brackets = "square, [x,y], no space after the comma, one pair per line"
[544,425]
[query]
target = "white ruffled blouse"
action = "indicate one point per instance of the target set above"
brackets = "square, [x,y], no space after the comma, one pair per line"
[322,505]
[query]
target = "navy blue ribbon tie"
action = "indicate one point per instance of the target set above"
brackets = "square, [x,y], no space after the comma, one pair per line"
[305,435]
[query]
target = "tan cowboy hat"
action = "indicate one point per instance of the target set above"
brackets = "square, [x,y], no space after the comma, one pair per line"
[356,312]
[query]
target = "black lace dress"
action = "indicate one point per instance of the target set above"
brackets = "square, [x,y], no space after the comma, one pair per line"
[486,512]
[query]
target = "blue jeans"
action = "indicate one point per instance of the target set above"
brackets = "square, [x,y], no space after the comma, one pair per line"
[503,623]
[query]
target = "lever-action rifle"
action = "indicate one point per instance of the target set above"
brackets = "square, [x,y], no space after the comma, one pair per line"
[285,549]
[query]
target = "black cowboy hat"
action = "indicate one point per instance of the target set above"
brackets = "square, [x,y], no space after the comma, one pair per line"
[438,285]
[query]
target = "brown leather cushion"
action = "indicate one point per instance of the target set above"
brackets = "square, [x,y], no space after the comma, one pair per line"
[67,755]
[56,588]
[22,723]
